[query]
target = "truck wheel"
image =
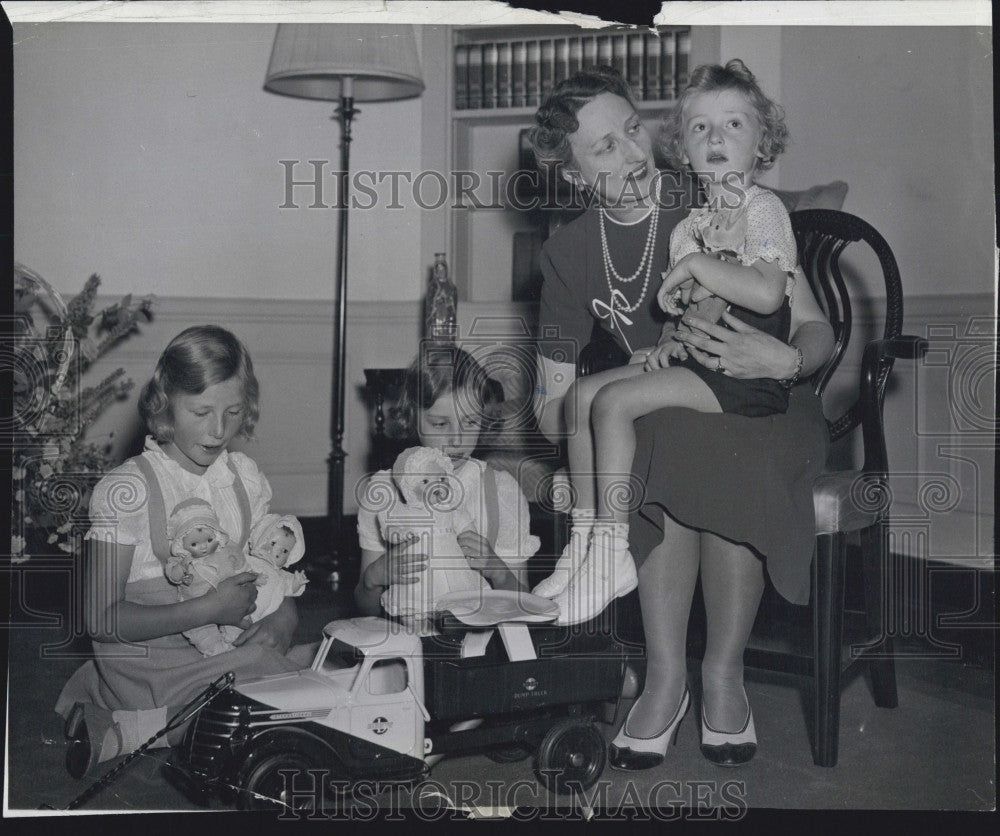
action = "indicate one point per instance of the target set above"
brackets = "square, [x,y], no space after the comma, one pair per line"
[571,756]
[268,785]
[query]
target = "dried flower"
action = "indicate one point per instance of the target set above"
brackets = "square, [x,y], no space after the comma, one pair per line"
[55,466]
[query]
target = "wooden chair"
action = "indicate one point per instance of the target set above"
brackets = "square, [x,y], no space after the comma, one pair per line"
[853,502]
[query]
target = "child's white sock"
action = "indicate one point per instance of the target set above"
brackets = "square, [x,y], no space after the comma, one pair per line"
[582,520]
[138,726]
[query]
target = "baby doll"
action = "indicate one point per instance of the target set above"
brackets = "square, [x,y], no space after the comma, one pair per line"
[201,557]
[433,509]
[723,232]
[276,542]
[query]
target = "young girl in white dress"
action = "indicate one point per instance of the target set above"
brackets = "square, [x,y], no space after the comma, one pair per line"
[203,394]
[446,402]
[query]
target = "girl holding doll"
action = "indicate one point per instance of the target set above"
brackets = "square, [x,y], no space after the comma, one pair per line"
[202,395]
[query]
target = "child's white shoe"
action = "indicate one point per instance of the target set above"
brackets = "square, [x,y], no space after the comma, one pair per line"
[608,572]
[569,562]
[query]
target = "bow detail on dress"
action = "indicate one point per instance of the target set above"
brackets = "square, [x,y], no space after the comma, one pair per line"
[615,311]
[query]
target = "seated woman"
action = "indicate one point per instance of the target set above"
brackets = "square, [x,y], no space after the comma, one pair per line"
[724,495]
[446,402]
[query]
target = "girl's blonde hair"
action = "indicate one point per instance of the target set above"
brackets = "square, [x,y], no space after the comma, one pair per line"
[713,78]
[195,359]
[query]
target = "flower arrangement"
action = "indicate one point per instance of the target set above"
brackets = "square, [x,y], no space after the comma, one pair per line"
[54,465]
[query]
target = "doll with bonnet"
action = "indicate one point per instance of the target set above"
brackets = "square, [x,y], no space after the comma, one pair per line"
[201,557]
[276,542]
[433,509]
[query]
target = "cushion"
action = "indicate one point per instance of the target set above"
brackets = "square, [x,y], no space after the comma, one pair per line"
[827,196]
[847,501]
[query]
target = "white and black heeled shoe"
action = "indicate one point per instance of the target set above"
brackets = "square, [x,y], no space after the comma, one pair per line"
[635,753]
[729,748]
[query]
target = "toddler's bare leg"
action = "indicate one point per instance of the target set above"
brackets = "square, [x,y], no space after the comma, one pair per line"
[580,447]
[578,407]
[614,410]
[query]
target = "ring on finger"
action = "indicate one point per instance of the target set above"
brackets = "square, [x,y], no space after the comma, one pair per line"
[718,366]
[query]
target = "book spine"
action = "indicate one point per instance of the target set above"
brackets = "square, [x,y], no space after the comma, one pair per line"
[562,61]
[475,92]
[667,91]
[575,56]
[490,75]
[504,91]
[619,55]
[518,74]
[636,64]
[590,51]
[683,59]
[532,75]
[547,67]
[461,77]
[651,79]
[604,50]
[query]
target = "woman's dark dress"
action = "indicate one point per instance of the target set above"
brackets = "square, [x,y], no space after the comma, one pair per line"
[748,480]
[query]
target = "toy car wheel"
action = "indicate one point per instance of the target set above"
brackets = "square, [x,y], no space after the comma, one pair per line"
[268,784]
[508,754]
[571,756]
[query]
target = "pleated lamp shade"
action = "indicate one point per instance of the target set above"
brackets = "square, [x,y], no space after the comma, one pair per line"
[313,60]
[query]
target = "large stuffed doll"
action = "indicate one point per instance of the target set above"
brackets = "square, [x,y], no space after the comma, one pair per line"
[432,508]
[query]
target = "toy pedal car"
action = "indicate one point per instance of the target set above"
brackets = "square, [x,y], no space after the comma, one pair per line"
[378,702]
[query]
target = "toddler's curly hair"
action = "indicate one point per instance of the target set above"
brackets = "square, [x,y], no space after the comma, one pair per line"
[713,78]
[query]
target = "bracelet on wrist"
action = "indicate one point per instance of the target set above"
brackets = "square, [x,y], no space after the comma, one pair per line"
[789,382]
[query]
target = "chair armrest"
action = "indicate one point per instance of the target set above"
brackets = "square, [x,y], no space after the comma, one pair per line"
[876,364]
[903,347]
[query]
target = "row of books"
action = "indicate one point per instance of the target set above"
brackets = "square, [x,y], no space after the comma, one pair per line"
[521,73]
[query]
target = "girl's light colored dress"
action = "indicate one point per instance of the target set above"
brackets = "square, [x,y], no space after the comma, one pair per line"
[167,671]
[765,234]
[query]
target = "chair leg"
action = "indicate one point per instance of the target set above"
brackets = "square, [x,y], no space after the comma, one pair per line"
[882,664]
[828,634]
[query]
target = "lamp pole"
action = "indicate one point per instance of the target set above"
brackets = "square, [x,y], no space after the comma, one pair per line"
[335,484]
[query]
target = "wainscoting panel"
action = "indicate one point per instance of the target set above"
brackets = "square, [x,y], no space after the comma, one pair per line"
[939,413]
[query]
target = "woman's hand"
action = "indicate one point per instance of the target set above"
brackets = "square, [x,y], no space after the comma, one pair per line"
[273,631]
[744,351]
[235,599]
[639,356]
[484,559]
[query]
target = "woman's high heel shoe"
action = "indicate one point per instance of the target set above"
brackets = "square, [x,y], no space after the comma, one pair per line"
[729,748]
[634,753]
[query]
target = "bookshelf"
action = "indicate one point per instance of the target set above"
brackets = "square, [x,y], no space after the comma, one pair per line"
[482,227]
[497,73]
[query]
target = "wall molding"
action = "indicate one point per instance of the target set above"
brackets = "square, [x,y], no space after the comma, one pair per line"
[290,341]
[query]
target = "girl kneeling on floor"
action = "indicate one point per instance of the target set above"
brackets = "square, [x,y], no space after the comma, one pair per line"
[203,394]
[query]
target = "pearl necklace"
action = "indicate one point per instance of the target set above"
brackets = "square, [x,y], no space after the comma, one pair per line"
[646,262]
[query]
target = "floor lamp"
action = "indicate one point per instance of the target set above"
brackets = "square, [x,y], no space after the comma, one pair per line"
[342,62]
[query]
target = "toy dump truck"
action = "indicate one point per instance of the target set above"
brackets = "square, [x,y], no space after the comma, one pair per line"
[380,704]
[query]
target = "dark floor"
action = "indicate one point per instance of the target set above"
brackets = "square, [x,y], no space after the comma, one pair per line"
[934,752]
